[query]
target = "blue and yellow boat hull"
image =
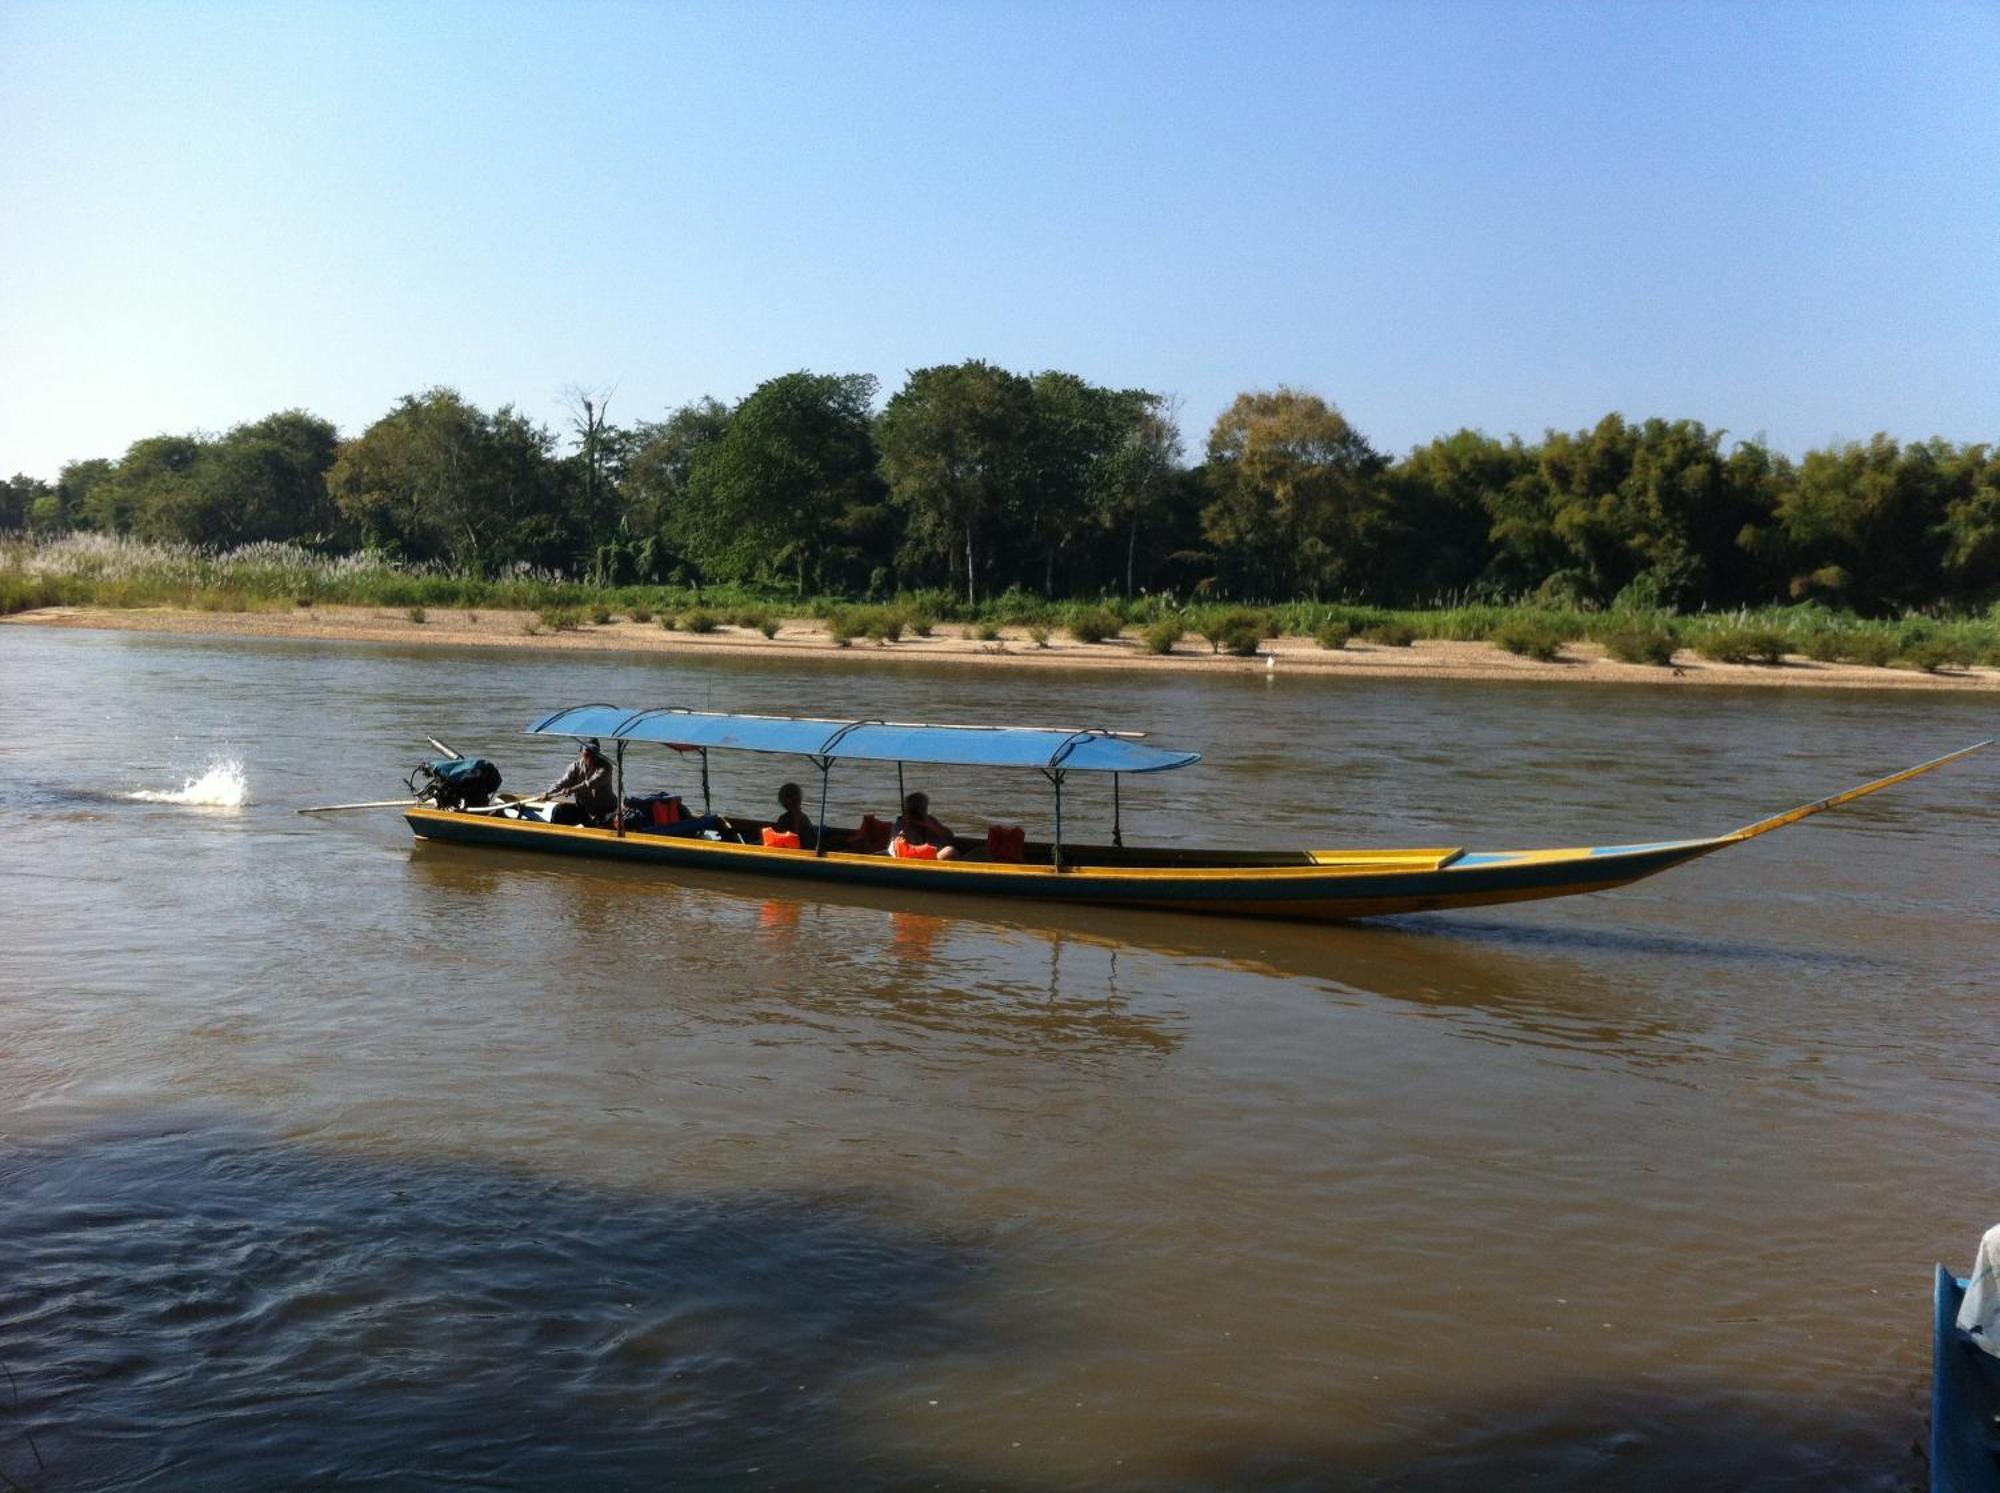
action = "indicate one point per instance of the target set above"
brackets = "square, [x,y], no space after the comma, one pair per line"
[1329,885]
[1307,885]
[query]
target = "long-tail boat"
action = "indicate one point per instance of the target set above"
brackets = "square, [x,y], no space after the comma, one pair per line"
[1317,885]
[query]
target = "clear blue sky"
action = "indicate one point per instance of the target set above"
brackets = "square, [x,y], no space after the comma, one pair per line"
[1774,218]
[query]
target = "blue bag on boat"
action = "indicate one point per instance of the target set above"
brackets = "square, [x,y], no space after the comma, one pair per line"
[457,782]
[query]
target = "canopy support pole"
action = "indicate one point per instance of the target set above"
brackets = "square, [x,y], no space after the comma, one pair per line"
[900,794]
[1117,825]
[707,804]
[825,766]
[1055,848]
[618,773]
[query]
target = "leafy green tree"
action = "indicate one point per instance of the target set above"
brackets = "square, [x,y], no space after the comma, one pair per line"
[769,498]
[72,503]
[1298,505]
[1584,475]
[956,442]
[1097,460]
[439,479]
[1656,507]
[1867,524]
[1762,477]
[652,462]
[1073,426]
[1972,520]
[1138,477]
[264,480]
[152,475]
[18,496]
[1467,512]
[1652,513]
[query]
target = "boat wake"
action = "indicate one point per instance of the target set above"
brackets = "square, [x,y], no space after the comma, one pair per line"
[223,786]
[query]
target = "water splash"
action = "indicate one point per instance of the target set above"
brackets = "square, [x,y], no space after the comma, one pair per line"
[223,786]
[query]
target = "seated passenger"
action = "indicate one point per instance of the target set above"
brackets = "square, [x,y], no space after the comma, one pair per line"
[792,822]
[917,833]
[584,794]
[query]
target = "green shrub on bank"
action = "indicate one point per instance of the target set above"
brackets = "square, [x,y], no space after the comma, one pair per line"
[31,593]
[1333,634]
[700,620]
[1530,637]
[1932,654]
[1642,642]
[1162,635]
[928,607]
[882,624]
[1237,630]
[1093,624]
[986,632]
[1874,650]
[560,619]
[1744,645]
[1018,608]
[1389,634]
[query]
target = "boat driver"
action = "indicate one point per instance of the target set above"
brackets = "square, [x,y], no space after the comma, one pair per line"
[584,794]
[917,827]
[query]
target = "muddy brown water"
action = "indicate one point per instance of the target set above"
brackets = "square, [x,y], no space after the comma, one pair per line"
[331,1158]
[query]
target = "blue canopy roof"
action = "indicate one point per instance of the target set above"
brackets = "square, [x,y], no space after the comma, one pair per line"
[869,741]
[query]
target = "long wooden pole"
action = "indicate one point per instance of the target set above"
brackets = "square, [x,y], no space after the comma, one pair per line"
[512,803]
[819,837]
[386,803]
[1820,806]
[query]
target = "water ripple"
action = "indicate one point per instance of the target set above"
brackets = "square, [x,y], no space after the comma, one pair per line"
[204,1307]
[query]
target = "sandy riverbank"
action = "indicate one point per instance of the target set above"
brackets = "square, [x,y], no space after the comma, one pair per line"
[1583,663]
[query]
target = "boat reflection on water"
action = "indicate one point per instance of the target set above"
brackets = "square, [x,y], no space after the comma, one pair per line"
[1049,974]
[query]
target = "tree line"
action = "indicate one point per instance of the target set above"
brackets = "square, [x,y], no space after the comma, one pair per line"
[981,480]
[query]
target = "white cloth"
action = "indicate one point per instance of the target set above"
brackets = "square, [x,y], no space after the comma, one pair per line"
[1979,1312]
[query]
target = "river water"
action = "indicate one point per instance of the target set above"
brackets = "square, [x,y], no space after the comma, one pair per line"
[334,1159]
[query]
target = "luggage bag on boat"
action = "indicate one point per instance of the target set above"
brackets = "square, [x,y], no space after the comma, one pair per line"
[455,782]
[653,811]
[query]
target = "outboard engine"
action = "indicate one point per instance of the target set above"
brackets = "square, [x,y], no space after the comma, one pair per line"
[455,782]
